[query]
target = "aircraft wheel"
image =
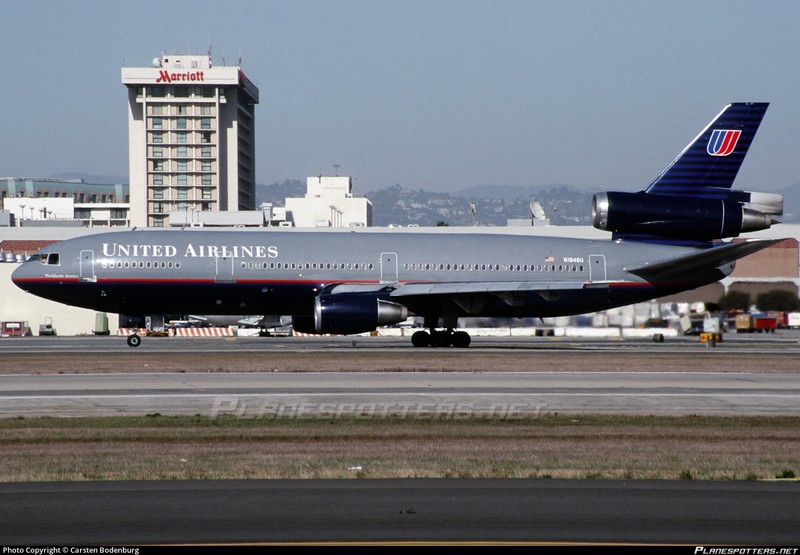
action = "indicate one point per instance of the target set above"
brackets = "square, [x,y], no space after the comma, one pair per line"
[461,339]
[420,339]
[441,339]
[134,340]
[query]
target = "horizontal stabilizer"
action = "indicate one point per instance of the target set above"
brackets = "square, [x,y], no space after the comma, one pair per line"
[713,257]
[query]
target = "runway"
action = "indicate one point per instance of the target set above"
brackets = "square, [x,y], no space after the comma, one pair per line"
[493,511]
[374,376]
[377,378]
[383,394]
[784,341]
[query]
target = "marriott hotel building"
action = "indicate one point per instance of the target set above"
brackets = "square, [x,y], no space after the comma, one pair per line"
[191,134]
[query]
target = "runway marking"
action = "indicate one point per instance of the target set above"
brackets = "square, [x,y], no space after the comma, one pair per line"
[430,394]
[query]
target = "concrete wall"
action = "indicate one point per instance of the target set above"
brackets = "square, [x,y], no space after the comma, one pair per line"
[16,305]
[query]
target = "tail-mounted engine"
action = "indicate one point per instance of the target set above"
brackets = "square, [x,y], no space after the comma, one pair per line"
[346,309]
[715,215]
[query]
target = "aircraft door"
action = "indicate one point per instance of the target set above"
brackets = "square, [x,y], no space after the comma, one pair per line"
[597,267]
[224,268]
[86,266]
[388,267]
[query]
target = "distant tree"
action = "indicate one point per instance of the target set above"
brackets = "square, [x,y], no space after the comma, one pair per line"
[442,223]
[734,300]
[778,299]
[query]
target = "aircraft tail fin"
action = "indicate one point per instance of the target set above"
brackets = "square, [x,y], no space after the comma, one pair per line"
[714,157]
[692,200]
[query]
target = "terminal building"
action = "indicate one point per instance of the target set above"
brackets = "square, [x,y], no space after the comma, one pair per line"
[191,134]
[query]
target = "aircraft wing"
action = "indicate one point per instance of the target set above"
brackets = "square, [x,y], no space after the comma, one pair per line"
[713,257]
[472,297]
[494,287]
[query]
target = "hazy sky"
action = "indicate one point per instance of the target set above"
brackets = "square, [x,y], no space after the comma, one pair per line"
[429,94]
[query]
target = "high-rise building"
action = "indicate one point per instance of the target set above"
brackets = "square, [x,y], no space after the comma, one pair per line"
[191,134]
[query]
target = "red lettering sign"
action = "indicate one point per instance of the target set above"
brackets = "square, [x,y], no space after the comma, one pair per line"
[165,76]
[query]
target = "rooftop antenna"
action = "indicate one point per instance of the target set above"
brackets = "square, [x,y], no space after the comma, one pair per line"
[240,58]
[336,167]
[537,212]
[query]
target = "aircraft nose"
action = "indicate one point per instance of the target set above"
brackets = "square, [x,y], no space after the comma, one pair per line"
[21,275]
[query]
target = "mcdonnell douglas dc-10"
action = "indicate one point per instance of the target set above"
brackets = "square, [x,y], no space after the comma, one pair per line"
[666,239]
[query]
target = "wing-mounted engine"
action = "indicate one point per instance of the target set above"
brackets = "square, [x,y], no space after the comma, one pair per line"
[346,309]
[713,214]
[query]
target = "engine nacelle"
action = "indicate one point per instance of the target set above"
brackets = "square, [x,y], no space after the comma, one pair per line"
[346,313]
[680,217]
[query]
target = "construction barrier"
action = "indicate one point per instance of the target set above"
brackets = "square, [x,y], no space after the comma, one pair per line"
[184,332]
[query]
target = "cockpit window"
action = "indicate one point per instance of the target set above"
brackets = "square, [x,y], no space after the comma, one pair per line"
[51,259]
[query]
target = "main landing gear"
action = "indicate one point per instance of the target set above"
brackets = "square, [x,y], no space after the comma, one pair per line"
[441,338]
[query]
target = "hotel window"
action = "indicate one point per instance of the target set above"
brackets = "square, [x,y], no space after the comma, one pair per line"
[182,110]
[205,123]
[158,207]
[158,165]
[181,123]
[157,124]
[205,137]
[182,154]
[158,193]
[180,137]
[205,110]
[205,165]
[182,180]
[182,165]
[158,138]
[182,193]
[158,152]
[205,152]
[158,179]
[156,110]
[206,194]
[206,180]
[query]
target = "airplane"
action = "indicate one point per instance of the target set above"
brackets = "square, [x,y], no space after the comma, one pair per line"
[665,239]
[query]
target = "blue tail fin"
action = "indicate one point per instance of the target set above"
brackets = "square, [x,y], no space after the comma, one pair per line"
[692,200]
[713,159]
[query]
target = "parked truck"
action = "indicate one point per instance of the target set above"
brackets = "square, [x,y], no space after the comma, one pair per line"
[760,323]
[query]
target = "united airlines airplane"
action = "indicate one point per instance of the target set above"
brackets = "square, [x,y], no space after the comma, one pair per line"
[665,239]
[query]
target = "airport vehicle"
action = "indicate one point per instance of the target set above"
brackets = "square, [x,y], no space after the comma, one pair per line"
[665,239]
[761,323]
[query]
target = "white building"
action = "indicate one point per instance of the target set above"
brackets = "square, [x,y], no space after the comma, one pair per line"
[329,202]
[42,211]
[191,134]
